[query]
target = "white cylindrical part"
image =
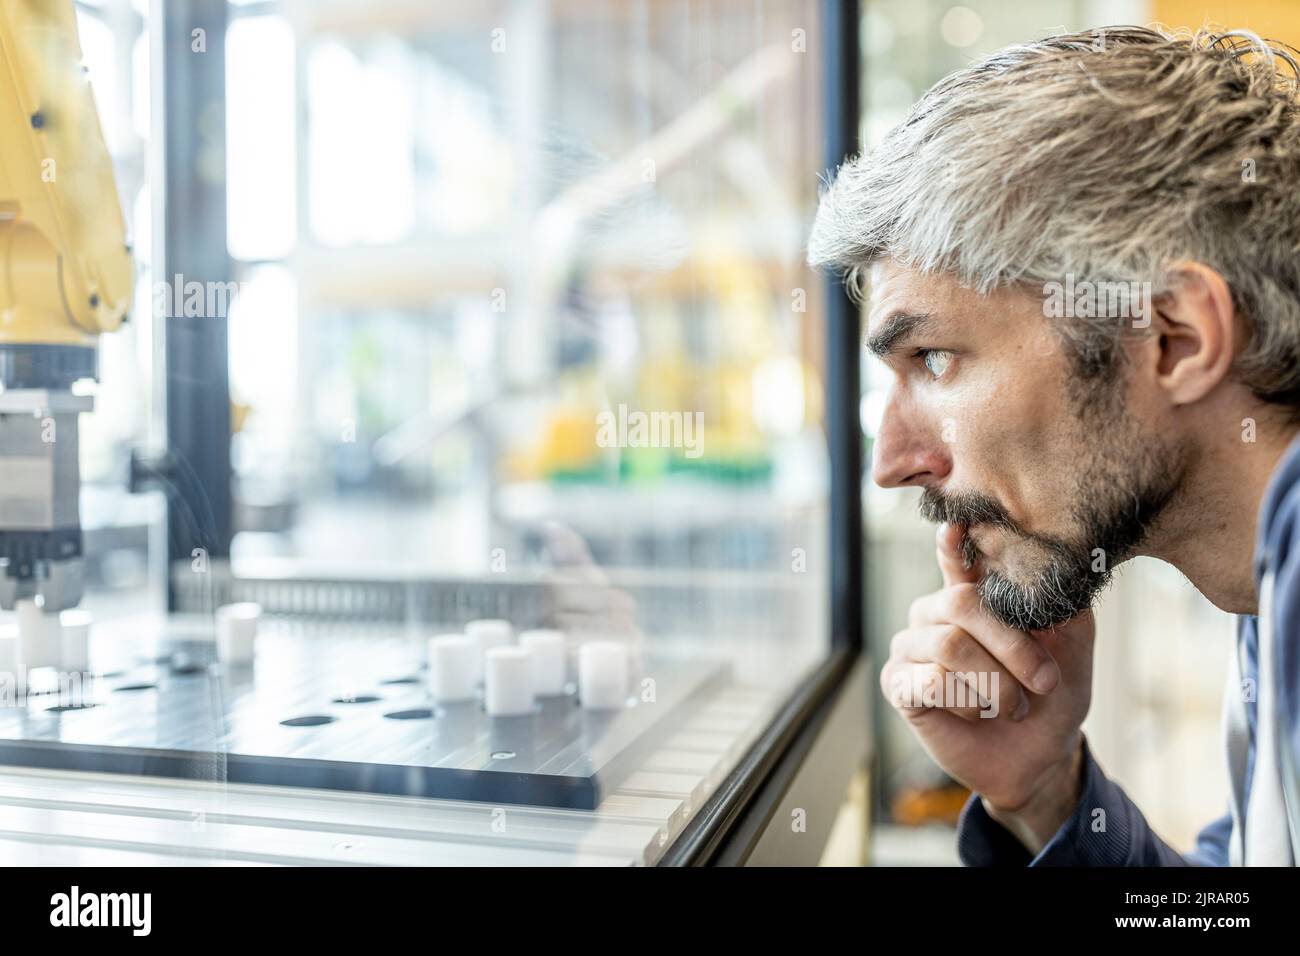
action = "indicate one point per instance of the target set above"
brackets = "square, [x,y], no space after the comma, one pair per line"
[487,634]
[76,640]
[237,632]
[603,675]
[453,667]
[508,682]
[548,650]
[491,632]
[13,676]
[39,633]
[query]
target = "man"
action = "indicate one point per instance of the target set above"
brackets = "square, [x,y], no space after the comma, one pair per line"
[1082,259]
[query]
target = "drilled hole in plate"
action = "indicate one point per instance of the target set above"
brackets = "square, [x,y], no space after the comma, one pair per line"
[401,680]
[358,699]
[311,720]
[419,713]
[131,687]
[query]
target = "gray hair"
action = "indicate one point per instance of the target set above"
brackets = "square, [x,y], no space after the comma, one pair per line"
[1105,155]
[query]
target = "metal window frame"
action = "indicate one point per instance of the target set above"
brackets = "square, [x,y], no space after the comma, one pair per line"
[196,470]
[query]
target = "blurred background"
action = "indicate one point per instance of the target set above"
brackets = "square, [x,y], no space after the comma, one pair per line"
[462,231]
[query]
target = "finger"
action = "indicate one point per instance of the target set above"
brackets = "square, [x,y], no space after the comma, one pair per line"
[568,550]
[948,549]
[957,733]
[937,607]
[1023,655]
[911,687]
[960,654]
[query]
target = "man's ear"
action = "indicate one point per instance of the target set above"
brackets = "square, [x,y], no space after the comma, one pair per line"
[1193,333]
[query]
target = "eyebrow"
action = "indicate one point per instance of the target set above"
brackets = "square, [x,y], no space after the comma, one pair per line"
[895,329]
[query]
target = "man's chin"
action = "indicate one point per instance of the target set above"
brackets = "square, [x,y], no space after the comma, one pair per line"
[1048,601]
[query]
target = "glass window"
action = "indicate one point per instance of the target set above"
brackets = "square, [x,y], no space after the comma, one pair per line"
[520,329]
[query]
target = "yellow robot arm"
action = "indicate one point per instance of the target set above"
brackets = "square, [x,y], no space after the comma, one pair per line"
[67,273]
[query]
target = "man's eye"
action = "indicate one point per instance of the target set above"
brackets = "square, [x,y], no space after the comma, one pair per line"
[936,360]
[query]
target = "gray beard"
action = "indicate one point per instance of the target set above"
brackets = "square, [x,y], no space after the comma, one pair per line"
[1126,481]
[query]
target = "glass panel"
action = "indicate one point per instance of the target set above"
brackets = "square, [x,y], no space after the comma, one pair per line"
[553,327]
[520,239]
[522,351]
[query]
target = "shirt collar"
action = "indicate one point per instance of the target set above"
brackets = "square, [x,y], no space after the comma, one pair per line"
[1285,476]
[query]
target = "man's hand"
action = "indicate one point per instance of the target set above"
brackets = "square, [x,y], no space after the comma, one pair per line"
[585,604]
[998,709]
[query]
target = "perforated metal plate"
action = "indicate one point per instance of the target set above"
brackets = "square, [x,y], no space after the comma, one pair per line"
[342,708]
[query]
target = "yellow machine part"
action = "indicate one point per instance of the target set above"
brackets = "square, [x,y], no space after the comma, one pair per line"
[66,273]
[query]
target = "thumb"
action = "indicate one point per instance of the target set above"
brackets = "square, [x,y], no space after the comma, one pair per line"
[565,547]
[951,563]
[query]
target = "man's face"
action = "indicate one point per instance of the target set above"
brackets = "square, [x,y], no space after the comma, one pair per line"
[1055,478]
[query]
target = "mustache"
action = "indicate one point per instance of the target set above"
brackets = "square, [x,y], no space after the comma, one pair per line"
[964,509]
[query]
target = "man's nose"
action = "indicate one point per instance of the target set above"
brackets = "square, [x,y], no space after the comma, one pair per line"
[907,452]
